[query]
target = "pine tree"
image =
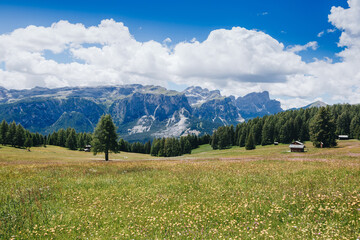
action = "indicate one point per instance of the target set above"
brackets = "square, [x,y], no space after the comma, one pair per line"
[215,140]
[28,142]
[71,140]
[19,136]
[105,137]
[147,147]
[250,141]
[343,123]
[355,127]
[4,127]
[61,138]
[267,133]
[161,152]
[81,141]
[169,142]
[11,134]
[322,129]
[187,147]
[155,147]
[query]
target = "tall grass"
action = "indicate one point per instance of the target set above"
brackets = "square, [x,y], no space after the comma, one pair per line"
[261,194]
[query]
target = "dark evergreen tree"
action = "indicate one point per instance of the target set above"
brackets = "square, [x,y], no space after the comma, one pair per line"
[322,129]
[3,132]
[45,141]
[71,140]
[161,152]
[28,142]
[267,135]
[11,134]
[147,147]
[20,136]
[355,127]
[187,147]
[61,138]
[122,145]
[250,141]
[155,147]
[215,140]
[343,124]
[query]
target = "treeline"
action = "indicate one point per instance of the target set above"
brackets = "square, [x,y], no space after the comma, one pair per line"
[70,139]
[286,127]
[16,136]
[136,147]
[171,147]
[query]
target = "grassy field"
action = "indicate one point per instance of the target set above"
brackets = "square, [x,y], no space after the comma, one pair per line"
[267,193]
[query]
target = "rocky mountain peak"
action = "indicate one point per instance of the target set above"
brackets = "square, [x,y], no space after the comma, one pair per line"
[141,112]
[257,105]
[197,95]
[316,104]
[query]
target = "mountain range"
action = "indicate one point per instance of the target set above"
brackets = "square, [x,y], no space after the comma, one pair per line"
[140,112]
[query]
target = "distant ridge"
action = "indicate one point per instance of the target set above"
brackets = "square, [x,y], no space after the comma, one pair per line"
[316,104]
[140,112]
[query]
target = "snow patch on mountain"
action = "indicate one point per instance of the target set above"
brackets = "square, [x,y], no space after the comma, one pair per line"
[142,125]
[197,96]
[176,125]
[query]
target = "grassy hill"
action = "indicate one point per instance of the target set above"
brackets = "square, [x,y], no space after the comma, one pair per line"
[266,193]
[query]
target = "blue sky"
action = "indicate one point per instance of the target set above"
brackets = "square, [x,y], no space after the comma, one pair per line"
[290,22]
[306,29]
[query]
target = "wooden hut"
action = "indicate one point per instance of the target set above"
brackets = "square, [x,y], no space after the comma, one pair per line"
[87,148]
[297,147]
[343,137]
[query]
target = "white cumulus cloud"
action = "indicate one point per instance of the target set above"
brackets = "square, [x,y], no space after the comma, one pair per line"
[236,61]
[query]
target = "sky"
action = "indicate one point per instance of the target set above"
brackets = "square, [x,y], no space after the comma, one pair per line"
[300,50]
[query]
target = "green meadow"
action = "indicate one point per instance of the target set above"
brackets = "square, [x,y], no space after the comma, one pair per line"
[267,193]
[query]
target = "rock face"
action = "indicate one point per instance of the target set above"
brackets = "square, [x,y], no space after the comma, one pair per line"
[257,105]
[222,111]
[197,95]
[140,112]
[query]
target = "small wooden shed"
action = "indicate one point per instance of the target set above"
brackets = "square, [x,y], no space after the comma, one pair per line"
[297,147]
[343,137]
[87,148]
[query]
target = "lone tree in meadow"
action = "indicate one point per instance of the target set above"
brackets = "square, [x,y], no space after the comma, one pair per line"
[105,137]
[322,129]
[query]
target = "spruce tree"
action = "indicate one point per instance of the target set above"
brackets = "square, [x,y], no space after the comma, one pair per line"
[4,127]
[250,141]
[242,139]
[343,124]
[187,147]
[322,129]
[20,136]
[215,140]
[161,152]
[355,127]
[122,145]
[28,142]
[147,147]
[11,134]
[105,137]
[61,138]
[155,147]
[71,140]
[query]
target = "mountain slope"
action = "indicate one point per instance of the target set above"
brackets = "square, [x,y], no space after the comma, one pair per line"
[257,105]
[139,112]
